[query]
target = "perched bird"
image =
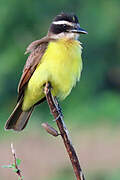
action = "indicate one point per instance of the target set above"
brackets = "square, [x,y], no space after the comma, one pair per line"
[56,58]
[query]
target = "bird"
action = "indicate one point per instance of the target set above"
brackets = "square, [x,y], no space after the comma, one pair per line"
[56,58]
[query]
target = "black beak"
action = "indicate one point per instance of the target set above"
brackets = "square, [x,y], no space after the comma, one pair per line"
[78,29]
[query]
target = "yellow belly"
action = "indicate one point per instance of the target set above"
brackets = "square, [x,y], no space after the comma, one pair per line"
[61,65]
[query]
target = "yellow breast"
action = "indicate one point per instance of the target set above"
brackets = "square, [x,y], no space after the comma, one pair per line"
[61,65]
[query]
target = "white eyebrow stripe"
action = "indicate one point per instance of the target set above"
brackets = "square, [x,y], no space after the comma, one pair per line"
[62,22]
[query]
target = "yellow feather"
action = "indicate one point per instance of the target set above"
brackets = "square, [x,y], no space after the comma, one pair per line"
[61,65]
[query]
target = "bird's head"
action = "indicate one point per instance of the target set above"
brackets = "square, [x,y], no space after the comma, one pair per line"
[65,26]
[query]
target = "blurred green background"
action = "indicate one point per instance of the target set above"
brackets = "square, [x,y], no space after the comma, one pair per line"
[92,111]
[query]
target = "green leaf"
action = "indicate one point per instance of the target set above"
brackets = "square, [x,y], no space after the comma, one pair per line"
[7,166]
[18,161]
[19,178]
[13,166]
[15,170]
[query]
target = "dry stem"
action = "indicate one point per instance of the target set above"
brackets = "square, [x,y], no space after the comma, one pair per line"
[56,112]
[14,157]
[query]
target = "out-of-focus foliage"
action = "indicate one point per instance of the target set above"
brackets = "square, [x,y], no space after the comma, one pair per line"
[96,97]
[66,174]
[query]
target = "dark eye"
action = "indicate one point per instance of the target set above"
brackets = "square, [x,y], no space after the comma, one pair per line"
[64,25]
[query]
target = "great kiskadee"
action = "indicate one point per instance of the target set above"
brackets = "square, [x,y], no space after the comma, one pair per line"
[56,58]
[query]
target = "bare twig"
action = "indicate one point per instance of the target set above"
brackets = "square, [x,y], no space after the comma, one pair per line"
[15,163]
[56,112]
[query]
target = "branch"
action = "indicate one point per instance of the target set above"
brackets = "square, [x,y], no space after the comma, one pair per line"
[56,112]
[17,170]
[14,166]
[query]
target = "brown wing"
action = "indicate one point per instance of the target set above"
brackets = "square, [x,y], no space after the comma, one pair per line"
[36,50]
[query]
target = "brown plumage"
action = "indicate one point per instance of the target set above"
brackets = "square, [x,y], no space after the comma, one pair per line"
[36,50]
[63,26]
[19,118]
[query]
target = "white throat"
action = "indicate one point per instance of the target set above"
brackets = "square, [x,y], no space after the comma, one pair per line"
[67,35]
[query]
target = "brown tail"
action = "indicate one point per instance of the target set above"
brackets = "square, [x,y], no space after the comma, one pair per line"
[18,119]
